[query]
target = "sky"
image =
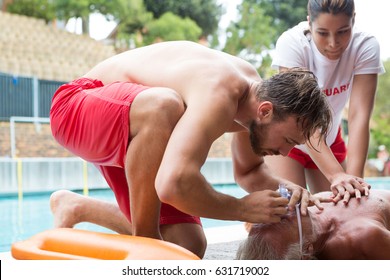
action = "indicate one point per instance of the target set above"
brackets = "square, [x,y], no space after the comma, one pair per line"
[372,16]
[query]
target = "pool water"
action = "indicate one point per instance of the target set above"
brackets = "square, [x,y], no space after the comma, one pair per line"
[22,218]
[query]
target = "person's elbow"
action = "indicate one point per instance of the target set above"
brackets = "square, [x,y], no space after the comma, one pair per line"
[246,179]
[239,177]
[171,188]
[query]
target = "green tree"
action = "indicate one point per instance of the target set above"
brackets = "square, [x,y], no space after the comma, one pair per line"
[138,21]
[259,25]
[206,13]
[381,114]
[137,27]
[251,36]
[42,9]
[130,14]
[67,9]
[131,17]
[284,14]
[171,27]
[57,9]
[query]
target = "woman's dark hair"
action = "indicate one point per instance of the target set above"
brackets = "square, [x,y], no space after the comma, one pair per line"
[317,7]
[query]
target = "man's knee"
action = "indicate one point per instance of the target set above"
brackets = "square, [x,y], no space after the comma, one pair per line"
[155,111]
[195,242]
[169,106]
[187,235]
[197,245]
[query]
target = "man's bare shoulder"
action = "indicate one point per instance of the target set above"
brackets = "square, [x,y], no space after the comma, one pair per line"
[178,65]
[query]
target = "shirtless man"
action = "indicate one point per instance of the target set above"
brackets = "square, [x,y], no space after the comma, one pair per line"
[147,119]
[360,230]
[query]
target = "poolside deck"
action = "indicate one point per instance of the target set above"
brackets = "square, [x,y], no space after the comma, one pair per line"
[223,242]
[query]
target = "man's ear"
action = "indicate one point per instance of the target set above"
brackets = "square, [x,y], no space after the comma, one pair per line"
[265,112]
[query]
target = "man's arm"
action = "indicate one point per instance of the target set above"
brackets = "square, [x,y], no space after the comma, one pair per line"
[179,181]
[250,171]
[252,174]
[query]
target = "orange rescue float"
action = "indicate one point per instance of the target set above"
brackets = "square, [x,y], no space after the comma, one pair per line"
[75,244]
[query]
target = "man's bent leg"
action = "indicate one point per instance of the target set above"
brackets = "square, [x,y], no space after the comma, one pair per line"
[153,116]
[188,235]
[71,208]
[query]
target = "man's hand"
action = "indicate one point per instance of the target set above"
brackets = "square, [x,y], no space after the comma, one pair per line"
[264,207]
[345,186]
[303,196]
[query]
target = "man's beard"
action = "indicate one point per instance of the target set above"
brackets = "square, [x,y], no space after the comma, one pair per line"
[257,134]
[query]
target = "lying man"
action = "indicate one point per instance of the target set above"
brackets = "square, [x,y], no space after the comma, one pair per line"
[360,230]
[147,118]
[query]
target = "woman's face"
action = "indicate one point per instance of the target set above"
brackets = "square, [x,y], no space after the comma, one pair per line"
[332,33]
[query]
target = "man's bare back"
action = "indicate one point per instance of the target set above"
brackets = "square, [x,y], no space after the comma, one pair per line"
[178,70]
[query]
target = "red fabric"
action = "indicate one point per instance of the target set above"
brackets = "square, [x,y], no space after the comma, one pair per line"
[338,148]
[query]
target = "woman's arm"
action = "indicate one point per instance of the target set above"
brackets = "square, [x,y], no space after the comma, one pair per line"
[342,184]
[360,109]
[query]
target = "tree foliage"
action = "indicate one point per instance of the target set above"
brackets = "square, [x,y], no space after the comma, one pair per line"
[132,16]
[381,115]
[171,27]
[42,9]
[66,9]
[283,14]
[259,25]
[137,26]
[251,36]
[206,13]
